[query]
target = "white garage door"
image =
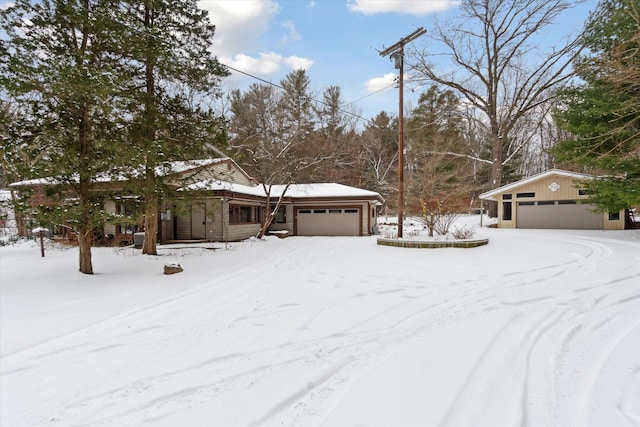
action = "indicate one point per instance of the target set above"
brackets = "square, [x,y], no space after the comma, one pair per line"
[563,214]
[328,222]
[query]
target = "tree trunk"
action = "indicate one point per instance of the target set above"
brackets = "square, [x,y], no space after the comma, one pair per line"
[84,244]
[272,213]
[495,179]
[149,247]
[85,230]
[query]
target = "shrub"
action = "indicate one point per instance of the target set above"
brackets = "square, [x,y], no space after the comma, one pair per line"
[463,233]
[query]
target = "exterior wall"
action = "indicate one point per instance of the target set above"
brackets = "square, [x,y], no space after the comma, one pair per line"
[225,171]
[613,224]
[110,207]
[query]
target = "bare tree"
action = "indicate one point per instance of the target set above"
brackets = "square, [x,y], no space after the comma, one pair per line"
[486,46]
[271,129]
[437,181]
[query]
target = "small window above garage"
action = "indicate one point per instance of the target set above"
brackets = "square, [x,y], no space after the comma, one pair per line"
[526,195]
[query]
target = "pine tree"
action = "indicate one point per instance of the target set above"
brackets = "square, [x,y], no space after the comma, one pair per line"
[603,113]
[173,72]
[55,64]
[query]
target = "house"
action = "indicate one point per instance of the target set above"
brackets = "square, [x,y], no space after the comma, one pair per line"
[216,200]
[552,199]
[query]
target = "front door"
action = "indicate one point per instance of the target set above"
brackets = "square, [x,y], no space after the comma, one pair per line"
[198,221]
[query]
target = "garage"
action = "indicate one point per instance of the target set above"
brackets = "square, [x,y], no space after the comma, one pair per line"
[562,214]
[328,221]
[555,199]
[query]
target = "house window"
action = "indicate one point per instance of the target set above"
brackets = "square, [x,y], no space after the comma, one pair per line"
[583,192]
[546,202]
[239,214]
[526,195]
[614,216]
[281,215]
[566,202]
[351,211]
[507,196]
[506,211]
[526,203]
[304,211]
[319,211]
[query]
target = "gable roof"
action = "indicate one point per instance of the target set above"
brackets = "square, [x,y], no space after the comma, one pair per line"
[490,195]
[171,168]
[295,191]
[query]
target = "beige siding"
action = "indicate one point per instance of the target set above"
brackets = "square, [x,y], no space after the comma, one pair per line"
[183,227]
[224,171]
[110,206]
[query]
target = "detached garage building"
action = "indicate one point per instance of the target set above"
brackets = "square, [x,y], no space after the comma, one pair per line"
[553,199]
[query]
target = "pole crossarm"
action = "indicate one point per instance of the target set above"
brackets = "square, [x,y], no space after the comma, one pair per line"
[400,45]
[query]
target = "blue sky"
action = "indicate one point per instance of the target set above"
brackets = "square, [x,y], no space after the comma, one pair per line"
[336,41]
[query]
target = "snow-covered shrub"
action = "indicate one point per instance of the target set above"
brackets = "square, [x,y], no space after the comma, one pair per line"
[444,222]
[463,233]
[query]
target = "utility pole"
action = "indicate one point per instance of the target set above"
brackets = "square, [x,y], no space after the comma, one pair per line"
[396,52]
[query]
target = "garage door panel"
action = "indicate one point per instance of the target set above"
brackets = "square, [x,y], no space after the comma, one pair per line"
[558,216]
[328,222]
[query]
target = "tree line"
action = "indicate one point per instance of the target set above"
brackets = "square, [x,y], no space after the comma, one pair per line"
[117,88]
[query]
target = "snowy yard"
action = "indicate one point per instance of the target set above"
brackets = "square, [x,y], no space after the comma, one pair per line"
[538,328]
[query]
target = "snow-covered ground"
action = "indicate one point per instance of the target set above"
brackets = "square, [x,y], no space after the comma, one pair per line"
[538,328]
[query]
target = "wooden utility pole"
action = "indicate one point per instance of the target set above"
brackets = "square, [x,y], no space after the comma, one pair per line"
[396,52]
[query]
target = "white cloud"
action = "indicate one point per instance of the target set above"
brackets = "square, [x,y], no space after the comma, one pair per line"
[267,63]
[292,33]
[298,63]
[311,4]
[239,24]
[379,83]
[409,7]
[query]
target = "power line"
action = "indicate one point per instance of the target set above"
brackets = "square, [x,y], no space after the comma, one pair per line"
[359,117]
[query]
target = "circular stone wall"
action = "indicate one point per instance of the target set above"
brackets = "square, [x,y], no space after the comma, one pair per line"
[433,244]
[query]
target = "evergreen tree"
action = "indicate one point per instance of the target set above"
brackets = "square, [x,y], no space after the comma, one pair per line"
[436,179]
[55,63]
[603,113]
[166,52]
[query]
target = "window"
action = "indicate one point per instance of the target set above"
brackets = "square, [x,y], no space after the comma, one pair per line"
[614,216]
[507,196]
[526,203]
[506,211]
[546,202]
[281,215]
[566,202]
[319,211]
[239,214]
[351,211]
[335,210]
[526,195]
[583,192]
[304,211]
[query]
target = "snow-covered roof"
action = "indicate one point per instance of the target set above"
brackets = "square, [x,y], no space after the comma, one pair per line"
[489,195]
[322,190]
[168,169]
[317,190]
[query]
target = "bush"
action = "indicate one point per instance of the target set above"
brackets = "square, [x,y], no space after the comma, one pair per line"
[444,222]
[463,233]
